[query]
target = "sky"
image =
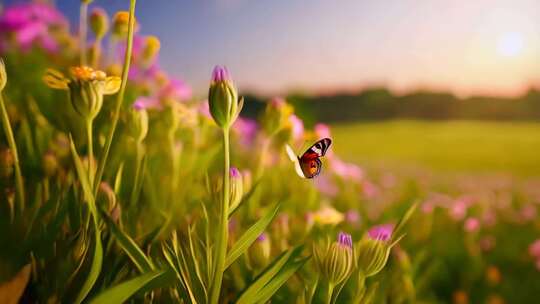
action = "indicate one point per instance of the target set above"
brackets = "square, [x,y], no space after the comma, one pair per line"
[468,47]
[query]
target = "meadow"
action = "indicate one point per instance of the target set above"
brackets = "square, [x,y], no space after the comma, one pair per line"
[118,185]
[448,146]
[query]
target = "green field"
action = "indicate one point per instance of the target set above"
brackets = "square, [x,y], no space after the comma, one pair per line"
[460,146]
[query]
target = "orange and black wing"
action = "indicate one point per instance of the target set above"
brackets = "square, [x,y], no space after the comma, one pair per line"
[310,162]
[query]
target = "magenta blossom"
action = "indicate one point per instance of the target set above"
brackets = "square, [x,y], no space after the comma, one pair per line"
[31,24]
[352,217]
[381,232]
[220,74]
[345,239]
[534,249]
[262,237]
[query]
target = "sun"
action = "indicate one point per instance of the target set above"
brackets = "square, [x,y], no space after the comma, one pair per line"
[510,44]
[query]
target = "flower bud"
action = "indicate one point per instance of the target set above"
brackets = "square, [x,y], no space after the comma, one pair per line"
[6,163]
[50,164]
[151,48]
[373,250]
[223,98]
[236,185]
[335,262]
[3,75]
[99,22]
[138,121]
[276,116]
[120,24]
[106,196]
[260,251]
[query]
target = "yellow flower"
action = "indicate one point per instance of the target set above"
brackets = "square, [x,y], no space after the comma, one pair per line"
[86,88]
[328,216]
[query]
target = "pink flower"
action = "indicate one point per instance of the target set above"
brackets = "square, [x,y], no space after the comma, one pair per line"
[176,89]
[352,217]
[31,24]
[472,224]
[346,170]
[528,212]
[326,186]
[427,207]
[487,243]
[297,127]
[246,129]
[381,232]
[458,210]
[322,130]
[369,189]
[534,249]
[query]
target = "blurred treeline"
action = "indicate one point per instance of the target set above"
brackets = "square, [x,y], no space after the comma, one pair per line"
[380,104]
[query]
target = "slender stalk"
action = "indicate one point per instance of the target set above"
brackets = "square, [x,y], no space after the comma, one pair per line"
[329,291]
[221,247]
[136,189]
[119,97]
[96,54]
[90,143]
[13,147]
[83,25]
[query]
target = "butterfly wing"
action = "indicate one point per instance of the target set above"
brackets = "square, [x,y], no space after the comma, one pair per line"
[310,162]
[295,160]
[318,149]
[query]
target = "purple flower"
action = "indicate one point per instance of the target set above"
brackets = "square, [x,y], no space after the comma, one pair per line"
[345,239]
[381,232]
[262,237]
[140,104]
[176,89]
[220,74]
[234,173]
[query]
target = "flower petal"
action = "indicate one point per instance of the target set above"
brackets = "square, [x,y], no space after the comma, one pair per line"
[55,79]
[112,85]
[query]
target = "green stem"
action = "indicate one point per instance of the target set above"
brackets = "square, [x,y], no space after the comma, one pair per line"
[96,53]
[329,291]
[82,30]
[119,97]
[89,138]
[221,248]
[13,147]
[135,190]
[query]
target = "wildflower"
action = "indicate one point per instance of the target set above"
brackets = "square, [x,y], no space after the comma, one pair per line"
[297,127]
[352,217]
[328,216]
[534,249]
[138,121]
[374,249]
[246,129]
[120,24]
[471,224]
[322,130]
[236,184]
[86,88]
[260,251]
[32,24]
[335,262]
[151,48]
[458,210]
[493,275]
[99,22]
[276,116]
[223,98]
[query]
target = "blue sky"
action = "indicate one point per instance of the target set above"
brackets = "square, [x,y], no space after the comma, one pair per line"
[274,46]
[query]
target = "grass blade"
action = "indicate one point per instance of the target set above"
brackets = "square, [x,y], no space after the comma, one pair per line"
[134,252]
[250,236]
[279,279]
[250,295]
[123,291]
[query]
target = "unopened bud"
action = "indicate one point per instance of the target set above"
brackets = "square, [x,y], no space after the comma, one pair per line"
[151,48]
[236,186]
[260,251]
[335,262]
[99,22]
[223,98]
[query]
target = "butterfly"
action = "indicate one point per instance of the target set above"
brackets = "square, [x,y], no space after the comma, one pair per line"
[309,165]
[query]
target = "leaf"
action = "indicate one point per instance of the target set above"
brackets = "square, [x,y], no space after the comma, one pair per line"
[250,236]
[11,291]
[97,256]
[135,253]
[250,295]
[403,220]
[277,281]
[123,291]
